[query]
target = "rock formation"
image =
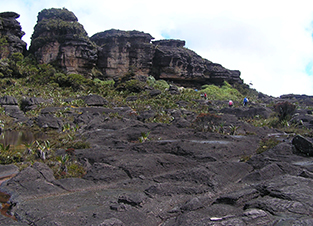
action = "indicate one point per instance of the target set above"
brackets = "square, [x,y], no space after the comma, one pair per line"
[124,51]
[174,62]
[59,39]
[10,35]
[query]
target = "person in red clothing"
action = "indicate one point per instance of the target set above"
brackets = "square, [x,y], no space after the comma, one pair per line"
[230,103]
[205,96]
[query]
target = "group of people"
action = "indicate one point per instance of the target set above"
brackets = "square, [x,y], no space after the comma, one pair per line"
[245,102]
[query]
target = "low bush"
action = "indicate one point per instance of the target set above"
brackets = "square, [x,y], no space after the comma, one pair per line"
[285,110]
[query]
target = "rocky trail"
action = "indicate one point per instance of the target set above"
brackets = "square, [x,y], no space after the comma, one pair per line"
[176,176]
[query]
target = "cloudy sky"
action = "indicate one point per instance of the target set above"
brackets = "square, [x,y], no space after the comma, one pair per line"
[269,41]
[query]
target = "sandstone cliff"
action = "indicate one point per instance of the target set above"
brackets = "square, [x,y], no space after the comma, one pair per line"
[122,51]
[10,35]
[175,62]
[59,39]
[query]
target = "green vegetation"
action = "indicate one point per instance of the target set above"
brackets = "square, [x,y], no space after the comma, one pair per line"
[267,143]
[22,77]
[226,92]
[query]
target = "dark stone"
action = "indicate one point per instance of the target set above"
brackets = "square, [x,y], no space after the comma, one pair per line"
[8,100]
[94,100]
[154,93]
[11,29]
[31,103]
[49,121]
[303,145]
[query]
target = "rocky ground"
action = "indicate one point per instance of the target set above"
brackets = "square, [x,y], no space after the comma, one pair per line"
[176,175]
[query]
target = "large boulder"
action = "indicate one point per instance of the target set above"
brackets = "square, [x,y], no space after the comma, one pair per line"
[10,35]
[303,145]
[59,39]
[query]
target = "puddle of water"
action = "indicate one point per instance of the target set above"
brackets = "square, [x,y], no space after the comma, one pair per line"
[210,141]
[197,141]
[16,138]
[238,136]
[304,163]
[5,206]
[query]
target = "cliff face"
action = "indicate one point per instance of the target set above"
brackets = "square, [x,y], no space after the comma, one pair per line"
[122,51]
[173,61]
[59,39]
[10,35]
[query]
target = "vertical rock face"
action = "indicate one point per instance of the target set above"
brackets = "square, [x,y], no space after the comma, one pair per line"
[59,39]
[173,61]
[10,35]
[124,51]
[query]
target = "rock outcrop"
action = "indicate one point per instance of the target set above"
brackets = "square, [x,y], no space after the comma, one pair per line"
[174,62]
[123,51]
[10,35]
[59,39]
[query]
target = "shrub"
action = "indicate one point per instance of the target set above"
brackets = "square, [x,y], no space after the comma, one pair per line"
[161,85]
[207,122]
[226,92]
[285,110]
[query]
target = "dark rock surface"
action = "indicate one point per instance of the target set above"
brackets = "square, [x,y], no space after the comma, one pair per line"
[178,176]
[11,32]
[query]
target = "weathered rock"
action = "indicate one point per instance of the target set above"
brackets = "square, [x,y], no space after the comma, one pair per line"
[303,145]
[59,39]
[15,112]
[31,103]
[250,112]
[173,62]
[7,171]
[48,121]
[11,34]
[124,51]
[8,100]
[94,100]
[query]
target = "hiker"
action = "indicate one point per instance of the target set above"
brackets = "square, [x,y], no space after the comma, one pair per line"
[205,96]
[245,101]
[230,103]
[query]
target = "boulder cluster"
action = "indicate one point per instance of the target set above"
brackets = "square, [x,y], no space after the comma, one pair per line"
[59,39]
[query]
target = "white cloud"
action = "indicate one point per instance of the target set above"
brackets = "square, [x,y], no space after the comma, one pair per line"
[270,42]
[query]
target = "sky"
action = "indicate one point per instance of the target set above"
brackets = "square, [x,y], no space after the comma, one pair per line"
[269,41]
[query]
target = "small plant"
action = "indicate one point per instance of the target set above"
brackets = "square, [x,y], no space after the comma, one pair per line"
[208,122]
[245,158]
[266,144]
[43,149]
[144,137]
[28,147]
[233,129]
[63,160]
[4,148]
